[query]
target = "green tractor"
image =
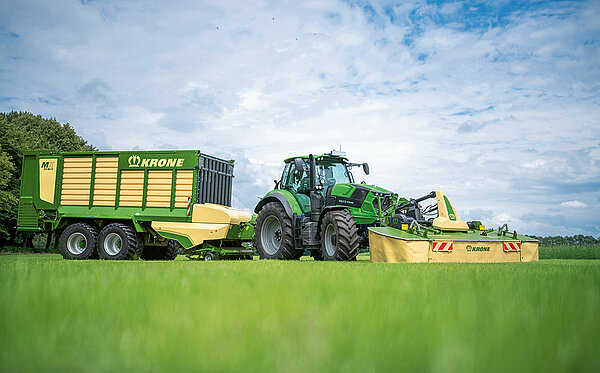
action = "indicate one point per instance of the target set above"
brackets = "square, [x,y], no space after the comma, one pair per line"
[317,206]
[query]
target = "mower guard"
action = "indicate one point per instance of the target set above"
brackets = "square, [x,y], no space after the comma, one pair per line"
[391,245]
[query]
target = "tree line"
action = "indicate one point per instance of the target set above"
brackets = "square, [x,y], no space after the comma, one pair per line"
[20,131]
[578,239]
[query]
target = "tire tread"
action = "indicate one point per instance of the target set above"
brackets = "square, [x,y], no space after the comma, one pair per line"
[135,245]
[287,250]
[92,230]
[347,235]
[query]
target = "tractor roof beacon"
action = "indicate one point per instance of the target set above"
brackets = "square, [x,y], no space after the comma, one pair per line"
[318,206]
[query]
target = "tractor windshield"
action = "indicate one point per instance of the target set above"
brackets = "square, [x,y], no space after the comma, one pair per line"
[329,173]
[333,173]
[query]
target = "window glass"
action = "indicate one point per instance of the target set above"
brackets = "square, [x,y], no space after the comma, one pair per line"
[333,173]
[284,176]
[298,181]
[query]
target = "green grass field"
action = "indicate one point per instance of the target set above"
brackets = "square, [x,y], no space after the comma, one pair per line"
[99,316]
[570,252]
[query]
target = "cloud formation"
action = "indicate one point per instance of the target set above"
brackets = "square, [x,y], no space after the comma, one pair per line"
[496,103]
[574,204]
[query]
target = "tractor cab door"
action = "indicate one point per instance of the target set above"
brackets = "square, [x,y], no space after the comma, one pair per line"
[297,182]
[331,173]
[328,180]
[328,172]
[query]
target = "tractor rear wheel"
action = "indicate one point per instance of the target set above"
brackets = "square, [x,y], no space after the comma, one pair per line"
[339,236]
[274,234]
[78,241]
[118,241]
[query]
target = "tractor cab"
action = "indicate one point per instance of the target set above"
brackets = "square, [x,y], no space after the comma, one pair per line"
[330,169]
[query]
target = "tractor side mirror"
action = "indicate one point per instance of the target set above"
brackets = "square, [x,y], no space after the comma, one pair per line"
[365,167]
[299,164]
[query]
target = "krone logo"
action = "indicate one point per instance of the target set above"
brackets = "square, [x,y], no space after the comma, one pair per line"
[134,161]
[478,248]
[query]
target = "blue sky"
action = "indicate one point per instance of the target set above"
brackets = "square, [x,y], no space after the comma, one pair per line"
[495,103]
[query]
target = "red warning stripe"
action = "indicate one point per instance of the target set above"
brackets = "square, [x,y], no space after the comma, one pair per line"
[443,246]
[189,209]
[512,246]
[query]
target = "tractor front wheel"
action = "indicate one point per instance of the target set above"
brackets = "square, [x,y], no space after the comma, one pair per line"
[274,235]
[339,236]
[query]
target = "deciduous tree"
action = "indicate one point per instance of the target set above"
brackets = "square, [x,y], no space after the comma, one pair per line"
[21,131]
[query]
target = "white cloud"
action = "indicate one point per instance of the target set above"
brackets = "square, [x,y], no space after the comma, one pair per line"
[449,8]
[574,204]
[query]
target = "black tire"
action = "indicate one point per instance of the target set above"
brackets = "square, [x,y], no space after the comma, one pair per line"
[83,237]
[168,252]
[210,256]
[280,245]
[317,255]
[131,246]
[345,236]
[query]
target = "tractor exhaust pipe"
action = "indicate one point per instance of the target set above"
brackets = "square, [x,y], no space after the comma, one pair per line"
[313,175]
[315,197]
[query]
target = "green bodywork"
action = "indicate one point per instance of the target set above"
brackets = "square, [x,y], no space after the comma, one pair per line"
[367,213]
[451,213]
[293,200]
[426,233]
[222,252]
[235,245]
[37,215]
[320,156]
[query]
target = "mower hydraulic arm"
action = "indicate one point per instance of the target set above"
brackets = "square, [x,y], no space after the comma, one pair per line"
[417,200]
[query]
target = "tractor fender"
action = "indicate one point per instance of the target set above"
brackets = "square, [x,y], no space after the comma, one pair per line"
[324,212]
[275,197]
